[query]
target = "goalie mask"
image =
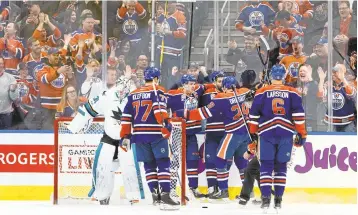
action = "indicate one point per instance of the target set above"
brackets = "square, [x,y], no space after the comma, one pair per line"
[123,88]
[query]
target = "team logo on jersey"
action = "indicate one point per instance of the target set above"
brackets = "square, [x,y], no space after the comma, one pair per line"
[130,27]
[59,82]
[191,103]
[162,150]
[256,18]
[23,90]
[320,12]
[283,40]
[337,101]
[293,69]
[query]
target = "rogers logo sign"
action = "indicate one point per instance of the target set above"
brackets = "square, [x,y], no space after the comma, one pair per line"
[26,158]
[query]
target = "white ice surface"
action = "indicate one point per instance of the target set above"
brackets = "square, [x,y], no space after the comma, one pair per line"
[232,208]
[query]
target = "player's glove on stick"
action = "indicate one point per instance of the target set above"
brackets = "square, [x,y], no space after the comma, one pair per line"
[299,140]
[167,129]
[251,148]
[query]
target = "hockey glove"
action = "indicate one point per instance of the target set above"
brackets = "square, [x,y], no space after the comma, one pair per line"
[125,144]
[299,140]
[167,129]
[251,148]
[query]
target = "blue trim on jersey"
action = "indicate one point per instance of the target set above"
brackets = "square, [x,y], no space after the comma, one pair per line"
[139,176]
[90,110]
[95,163]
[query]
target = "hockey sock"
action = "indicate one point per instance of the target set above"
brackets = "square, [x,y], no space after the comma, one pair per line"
[164,174]
[241,164]
[222,174]
[279,180]
[151,175]
[192,172]
[266,177]
[211,174]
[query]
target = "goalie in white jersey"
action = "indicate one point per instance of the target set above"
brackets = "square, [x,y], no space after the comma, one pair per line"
[110,105]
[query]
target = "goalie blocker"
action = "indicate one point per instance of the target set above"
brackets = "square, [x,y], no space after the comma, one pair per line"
[110,104]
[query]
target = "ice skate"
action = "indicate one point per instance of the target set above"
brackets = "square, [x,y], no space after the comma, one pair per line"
[278,200]
[156,197]
[167,203]
[265,204]
[196,193]
[211,191]
[221,196]
[242,202]
[104,202]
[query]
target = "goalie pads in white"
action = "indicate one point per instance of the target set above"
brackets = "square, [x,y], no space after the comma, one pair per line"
[103,172]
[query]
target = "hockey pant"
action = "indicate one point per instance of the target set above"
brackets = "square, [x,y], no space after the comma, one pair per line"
[105,164]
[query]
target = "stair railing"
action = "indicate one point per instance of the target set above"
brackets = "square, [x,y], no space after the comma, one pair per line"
[207,44]
[224,22]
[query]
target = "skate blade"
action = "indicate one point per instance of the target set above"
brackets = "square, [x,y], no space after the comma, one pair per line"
[278,210]
[265,210]
[165,207]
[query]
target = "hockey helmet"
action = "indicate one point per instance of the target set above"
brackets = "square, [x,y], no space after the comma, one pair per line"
[248,77]
[150,73]
[278,72]
[229,82]
[187,78]
[216,74]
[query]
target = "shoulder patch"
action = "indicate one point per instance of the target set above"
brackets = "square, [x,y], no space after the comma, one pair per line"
[210,105]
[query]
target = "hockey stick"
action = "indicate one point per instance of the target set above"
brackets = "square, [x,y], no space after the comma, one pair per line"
[264,63]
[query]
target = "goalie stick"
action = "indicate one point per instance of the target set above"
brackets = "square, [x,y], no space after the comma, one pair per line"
[264,63]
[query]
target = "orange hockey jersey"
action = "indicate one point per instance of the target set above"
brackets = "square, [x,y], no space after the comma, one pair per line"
[81,35]
[51,85]
[28,93]
[50,41]
[12,51]
[292,63]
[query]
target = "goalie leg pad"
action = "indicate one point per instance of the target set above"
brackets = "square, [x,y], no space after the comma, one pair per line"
[151,175]
[266,169]
[129,174]
[103,174]
[279,180]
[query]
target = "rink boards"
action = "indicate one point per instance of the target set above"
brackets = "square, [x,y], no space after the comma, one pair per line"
[324,172]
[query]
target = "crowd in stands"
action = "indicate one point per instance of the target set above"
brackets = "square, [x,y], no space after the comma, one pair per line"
[51,53]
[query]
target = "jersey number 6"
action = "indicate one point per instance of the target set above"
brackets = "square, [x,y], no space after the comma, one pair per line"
[138,104]
[277,106]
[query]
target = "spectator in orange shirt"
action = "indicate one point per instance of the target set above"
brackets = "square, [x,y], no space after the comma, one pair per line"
[293,61]
[41,34]
[346,23]
[11,48]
